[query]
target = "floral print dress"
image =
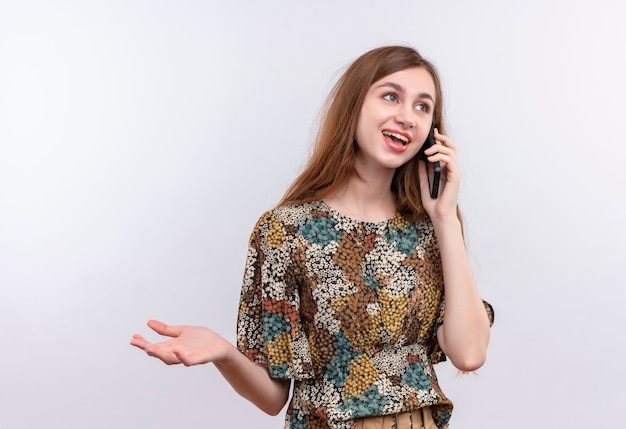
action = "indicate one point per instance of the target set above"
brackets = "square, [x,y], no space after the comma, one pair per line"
[347,309]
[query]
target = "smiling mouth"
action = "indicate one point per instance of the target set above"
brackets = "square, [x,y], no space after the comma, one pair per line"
[403,140]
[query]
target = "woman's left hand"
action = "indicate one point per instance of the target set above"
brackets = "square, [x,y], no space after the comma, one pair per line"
[445,204]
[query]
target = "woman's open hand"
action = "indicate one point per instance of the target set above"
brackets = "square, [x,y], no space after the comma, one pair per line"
[189,345]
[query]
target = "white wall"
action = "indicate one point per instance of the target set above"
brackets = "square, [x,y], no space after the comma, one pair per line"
[140,141]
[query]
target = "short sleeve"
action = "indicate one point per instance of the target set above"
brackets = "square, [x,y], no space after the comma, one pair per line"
[269,329]
[437,355]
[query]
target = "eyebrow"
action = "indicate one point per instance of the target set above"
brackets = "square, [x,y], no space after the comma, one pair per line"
[399,88]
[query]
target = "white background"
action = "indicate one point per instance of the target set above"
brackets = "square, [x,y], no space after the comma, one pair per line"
[141,140]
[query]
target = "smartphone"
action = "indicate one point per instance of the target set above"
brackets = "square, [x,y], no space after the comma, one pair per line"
[433,168]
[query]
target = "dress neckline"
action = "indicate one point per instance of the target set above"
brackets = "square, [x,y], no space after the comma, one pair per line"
[343,217]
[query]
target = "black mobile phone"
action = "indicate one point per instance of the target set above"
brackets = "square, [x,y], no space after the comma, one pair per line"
[433,168]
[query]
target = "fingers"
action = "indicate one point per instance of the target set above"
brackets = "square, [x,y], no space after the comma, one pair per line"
[443,139]
[163,329]
[162,351]
[188,345]
[444,146]
[138,341]
[445,151]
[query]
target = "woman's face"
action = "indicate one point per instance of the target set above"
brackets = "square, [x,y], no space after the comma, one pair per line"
[395,119]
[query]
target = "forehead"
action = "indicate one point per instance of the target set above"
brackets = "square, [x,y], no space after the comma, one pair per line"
[416,80]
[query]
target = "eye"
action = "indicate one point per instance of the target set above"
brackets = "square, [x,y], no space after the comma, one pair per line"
[391,97]
[422,107]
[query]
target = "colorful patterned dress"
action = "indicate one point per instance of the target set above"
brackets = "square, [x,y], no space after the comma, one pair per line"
[347,309]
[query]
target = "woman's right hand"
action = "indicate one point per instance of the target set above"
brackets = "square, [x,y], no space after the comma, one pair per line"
[189,345]
[194,345]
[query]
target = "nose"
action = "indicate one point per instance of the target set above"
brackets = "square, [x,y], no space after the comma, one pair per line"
[404,117]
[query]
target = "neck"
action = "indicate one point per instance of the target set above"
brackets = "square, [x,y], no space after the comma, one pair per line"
[365,198]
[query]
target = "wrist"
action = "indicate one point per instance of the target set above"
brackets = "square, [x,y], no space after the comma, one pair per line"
[229,356]
[447,227]
[451,221]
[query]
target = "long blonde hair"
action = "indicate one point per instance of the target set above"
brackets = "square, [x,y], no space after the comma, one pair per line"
[331,163]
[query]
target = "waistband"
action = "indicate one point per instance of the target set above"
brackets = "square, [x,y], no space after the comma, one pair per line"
[414,419]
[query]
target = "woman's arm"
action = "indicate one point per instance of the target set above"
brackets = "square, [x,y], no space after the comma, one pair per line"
[194,345]
[464,334]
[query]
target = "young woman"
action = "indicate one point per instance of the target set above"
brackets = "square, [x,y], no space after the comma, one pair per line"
[358,282]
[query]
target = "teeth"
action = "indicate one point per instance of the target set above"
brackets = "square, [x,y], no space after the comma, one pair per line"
[400,137]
